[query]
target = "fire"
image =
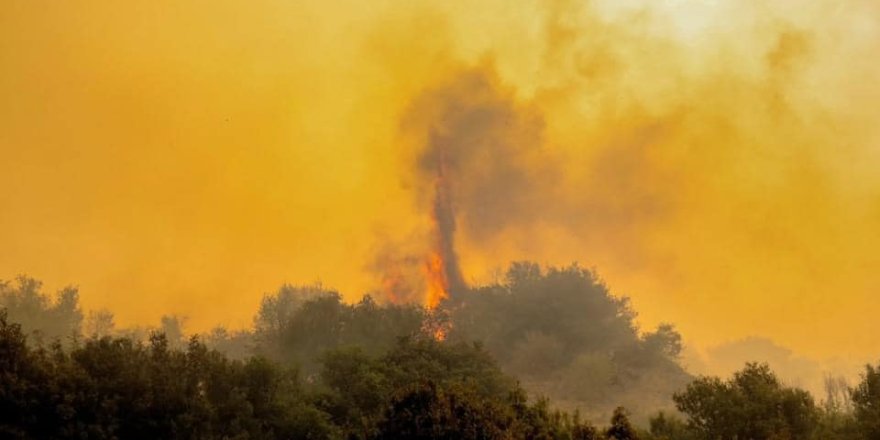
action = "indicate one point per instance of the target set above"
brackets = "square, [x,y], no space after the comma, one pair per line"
[437,290]
[442,257]
[441,275]
[435,276]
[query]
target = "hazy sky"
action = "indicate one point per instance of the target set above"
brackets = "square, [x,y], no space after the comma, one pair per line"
[716,161]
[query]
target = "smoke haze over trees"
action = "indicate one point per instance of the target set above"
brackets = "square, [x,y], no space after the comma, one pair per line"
[699,153]
[314,366]
[384,163]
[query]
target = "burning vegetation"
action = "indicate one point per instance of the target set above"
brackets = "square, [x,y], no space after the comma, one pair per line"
[594,131]
[314,366]
[473,145]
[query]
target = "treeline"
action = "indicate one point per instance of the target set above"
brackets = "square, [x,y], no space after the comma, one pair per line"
[562,332]
[558,330]
[755,404]
[314,366]
[109,388]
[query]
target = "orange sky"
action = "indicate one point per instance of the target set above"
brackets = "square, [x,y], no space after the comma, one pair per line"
[716,161]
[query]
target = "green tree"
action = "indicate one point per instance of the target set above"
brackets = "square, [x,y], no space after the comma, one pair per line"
[359,390]
[752,405]
[299,324]
[569,305]
[428,412]
[107,388]
[564,334]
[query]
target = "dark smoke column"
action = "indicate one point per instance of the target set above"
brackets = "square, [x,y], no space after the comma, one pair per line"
[479,157]
[444,220]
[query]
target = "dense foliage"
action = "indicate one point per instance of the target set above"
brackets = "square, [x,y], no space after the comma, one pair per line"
[43,318]
[564,335]
[298,324]
[866,403]
[755,405]
[106,388]
[116,388]
[559,330]
[316,367]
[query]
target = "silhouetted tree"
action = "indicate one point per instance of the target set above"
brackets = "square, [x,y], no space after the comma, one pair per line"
[564,334]
[620,428]
[752,405]
[866,403]
[43,318]
[116,388]
[668,427]
[429,413]
[298,324]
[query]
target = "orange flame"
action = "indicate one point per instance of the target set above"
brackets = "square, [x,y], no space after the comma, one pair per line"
[437,286]
[440,334]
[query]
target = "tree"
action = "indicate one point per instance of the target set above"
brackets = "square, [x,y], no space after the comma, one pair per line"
[668,427]
[664,341]
[563,333]
[569,305]
[751,405]
[415,360]
[428,412]
[23,382]
[171,326]
[108,388]
[40,316]
[299,324]
[359,390]
[620,428]
[866,403]
[99,324]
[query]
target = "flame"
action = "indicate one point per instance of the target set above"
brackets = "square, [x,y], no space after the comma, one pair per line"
[437,288]
[441,266]
[440,271]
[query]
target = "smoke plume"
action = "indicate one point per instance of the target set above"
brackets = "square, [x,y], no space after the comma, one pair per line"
[476,152]
[715,161]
